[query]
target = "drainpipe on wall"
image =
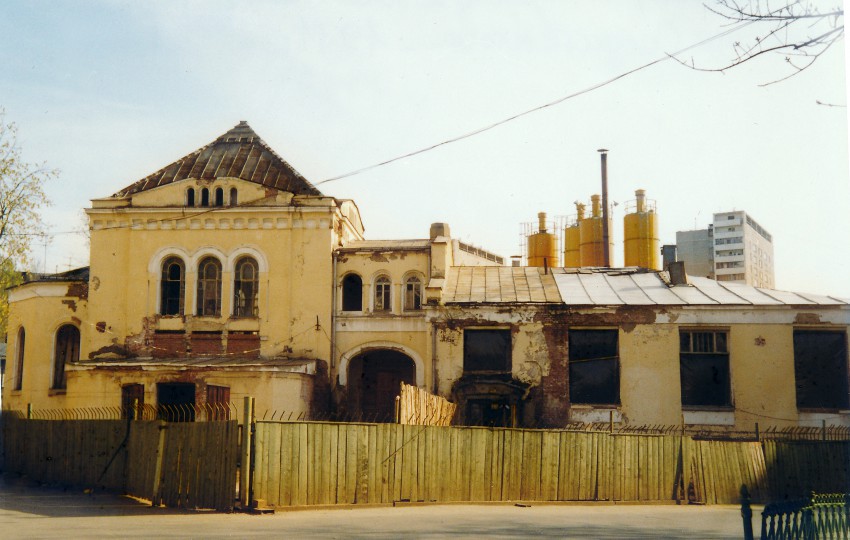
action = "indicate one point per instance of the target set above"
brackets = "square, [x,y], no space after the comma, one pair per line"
[333,312]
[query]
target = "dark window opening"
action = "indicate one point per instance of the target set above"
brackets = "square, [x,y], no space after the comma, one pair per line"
[219,197]
[172,285]
[20,347]
[233,196]
[489,412]
[205,197]
[594,367]
[132,401]
[245,288]
[383,298]
[67,350]
[352,293]
[175,402]
[190,197]
[820,369]
[218,402]
[209,287]
[487,351]
[704,369]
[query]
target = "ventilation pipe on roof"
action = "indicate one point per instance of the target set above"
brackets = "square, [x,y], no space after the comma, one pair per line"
[677,273]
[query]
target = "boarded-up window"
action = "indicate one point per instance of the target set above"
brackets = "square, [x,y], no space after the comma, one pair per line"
[67,350]
[172,285]
[820,368]
[20,347]
[209,287]
[132,401]
[352,293]
[704,368]
[594,367]
[245,288]
[487,351]
[218,399]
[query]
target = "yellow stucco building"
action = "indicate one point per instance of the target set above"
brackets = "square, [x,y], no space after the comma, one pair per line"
[227,274]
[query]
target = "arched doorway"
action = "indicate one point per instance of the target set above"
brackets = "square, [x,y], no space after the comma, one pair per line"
[374,379]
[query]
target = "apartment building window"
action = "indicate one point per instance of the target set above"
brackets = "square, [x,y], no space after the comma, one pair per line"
[820,369]
[209,287]
[412,294]
[172,283]
[487,350]
[383,298]
[594,366]
[245,288]
[67,350]
[20,348]
[704,368]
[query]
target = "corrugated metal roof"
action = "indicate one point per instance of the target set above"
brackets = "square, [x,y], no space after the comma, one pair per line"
[239,153]
[607,287]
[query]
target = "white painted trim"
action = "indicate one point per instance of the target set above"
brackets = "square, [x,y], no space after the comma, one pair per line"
[250,251]
[159,256]
[589,415]
[203,252]
[346,358]
[39,290]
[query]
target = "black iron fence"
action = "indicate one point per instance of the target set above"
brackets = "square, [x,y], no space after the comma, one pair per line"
[820,515]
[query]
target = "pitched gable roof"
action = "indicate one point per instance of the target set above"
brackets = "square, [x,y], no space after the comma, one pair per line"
[239,153]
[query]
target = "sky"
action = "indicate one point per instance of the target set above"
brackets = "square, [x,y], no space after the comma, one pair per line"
[109,92]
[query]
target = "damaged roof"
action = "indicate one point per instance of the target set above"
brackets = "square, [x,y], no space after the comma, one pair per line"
[77,274]
[608,287]
[239,153]
[290,365]
[386,245]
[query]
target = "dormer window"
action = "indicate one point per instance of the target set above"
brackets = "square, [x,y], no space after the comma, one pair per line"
[205,197]
[233,196]
[190,197]
[219,197]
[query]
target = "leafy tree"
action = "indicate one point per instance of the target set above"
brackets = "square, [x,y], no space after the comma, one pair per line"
[21,197]
[799,30]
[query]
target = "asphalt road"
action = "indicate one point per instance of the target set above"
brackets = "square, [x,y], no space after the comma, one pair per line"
[28,511]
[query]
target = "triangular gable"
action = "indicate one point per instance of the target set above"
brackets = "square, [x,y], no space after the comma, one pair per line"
[239,153]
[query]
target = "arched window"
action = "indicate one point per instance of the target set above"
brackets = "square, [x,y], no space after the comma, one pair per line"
[245,286]
[205,197]
[219,197]
[67,350]
[171,286]
[190,197]
[19,359]
[412,294]
[383,298]
[233,196]
[209,287]
[352,293]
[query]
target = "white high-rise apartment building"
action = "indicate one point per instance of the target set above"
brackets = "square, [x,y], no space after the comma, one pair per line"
[733,248]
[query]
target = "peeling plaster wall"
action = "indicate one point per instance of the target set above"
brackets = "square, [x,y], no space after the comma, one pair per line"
[41,315]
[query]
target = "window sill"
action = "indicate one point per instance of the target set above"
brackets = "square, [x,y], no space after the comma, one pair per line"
[709,417]
[589,414]
[57,391]
[708,408]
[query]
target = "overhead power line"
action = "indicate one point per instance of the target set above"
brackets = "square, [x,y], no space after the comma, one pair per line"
[535,109]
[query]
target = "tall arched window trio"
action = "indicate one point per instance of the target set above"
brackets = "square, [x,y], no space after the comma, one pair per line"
[209,287]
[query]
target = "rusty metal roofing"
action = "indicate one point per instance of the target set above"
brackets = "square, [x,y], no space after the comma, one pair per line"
[239,153]
[386,245]
[608,287]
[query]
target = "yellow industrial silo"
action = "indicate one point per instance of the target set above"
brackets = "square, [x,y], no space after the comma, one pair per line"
[591,243]
[640,234]
[572,252]
[542,246]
